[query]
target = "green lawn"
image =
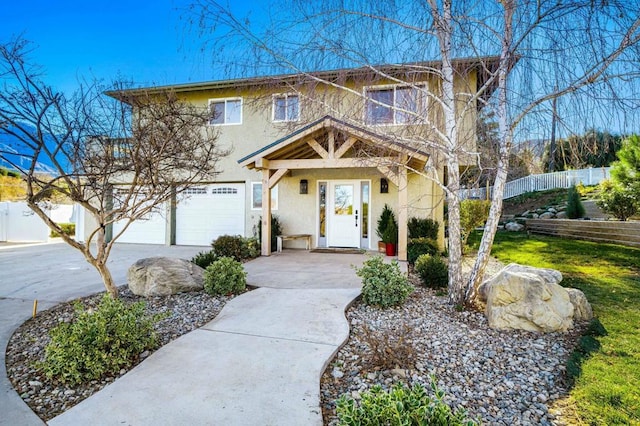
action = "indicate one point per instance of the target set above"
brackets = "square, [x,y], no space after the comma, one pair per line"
[608,390]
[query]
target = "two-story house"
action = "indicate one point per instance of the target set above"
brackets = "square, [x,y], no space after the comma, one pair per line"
[323,151]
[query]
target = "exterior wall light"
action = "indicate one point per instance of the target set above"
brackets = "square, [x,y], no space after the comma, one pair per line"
[384,186]
[304,186]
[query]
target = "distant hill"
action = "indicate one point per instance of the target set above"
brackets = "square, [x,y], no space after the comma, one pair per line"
[15,151]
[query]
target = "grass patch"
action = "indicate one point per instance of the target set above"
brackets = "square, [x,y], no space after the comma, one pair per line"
[606,392]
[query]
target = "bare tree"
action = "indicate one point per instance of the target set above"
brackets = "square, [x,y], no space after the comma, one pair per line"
[527,54]
[121,155]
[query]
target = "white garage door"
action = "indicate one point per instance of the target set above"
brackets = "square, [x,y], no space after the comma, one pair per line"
[150,229]
[206,212]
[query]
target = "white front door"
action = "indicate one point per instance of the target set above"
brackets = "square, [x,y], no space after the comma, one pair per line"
[344,214]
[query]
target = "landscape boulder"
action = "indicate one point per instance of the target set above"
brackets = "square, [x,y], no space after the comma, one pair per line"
[527,298]
[581,308]
[547,215]
[163,276]
[514,227]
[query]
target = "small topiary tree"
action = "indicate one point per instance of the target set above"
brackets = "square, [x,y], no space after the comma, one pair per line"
[225,276]
[386,216]
[98,342]
[433,271]
[383,284]
[575,209]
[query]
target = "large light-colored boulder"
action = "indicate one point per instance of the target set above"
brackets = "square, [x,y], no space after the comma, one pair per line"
[163,276]
[581,308]
[547,215]
[527,298]
[514,227]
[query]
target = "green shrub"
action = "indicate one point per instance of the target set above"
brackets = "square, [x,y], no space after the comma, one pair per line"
[204,258]
[419,246]
[473,213]
[621,202]
[98,342]
[400,406]
[383,284]
[433,271]
[276,229]
[67,229]
[390,234]
[423,228]
[575,209]
[225,276]
[236,247]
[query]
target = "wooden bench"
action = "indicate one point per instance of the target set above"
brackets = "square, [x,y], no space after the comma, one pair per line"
[281,238]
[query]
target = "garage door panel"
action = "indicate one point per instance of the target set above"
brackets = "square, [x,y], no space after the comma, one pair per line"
[151,229]
[209,211]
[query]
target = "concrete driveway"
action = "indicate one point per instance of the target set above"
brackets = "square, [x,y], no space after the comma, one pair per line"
[54,273]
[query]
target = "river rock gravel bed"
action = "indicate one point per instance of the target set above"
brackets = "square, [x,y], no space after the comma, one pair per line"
[47,398]
[500,377]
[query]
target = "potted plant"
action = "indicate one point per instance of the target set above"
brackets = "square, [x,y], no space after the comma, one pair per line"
[390,237]
[385,216]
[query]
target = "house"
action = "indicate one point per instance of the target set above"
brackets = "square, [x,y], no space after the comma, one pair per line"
[323,151]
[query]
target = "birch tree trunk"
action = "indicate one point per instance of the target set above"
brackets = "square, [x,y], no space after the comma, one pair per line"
[443,22]
[491,226]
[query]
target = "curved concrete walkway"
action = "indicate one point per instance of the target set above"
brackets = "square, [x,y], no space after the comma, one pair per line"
[258,363]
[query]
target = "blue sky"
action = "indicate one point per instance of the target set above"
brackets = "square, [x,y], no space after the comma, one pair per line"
[145,41]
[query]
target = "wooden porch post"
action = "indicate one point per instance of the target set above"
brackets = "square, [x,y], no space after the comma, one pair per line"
[403,212]
[266,213]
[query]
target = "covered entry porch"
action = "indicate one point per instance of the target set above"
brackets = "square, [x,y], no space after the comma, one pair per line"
[350,170]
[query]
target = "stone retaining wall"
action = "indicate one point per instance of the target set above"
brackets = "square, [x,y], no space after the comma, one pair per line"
[625,233]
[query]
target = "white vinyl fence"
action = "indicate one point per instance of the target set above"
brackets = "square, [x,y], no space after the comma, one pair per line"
[19,223]
[543,182]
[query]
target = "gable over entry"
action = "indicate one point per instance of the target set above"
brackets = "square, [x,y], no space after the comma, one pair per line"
[329,143]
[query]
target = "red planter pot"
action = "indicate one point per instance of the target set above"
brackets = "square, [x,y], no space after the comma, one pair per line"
[391,249]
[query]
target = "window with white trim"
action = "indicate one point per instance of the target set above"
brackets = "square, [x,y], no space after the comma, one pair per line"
[286,107]
[224,191]
[256,196]
[395,105]
[225,111]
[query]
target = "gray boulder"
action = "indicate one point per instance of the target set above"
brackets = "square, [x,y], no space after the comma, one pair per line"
[514,227]
[561,215]
[547,215]
[581,308]
[163,276]
[526,298]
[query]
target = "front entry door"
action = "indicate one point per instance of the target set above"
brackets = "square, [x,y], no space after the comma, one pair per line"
[344,214]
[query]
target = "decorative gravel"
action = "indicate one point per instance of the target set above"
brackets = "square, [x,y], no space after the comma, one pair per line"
[499,377]
[47,398]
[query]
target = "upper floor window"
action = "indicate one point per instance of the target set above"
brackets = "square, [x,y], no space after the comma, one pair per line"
[225,111]
[286,107]
[395,105]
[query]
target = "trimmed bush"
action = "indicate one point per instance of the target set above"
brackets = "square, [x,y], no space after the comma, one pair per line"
[433,271]
[575,209]
[383,284]
[473,213]
[204,258]
[236,247]
[419,246]
[98,342]
[225,276]
[423,228]
[400,406]
[618,201]
[67,229]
